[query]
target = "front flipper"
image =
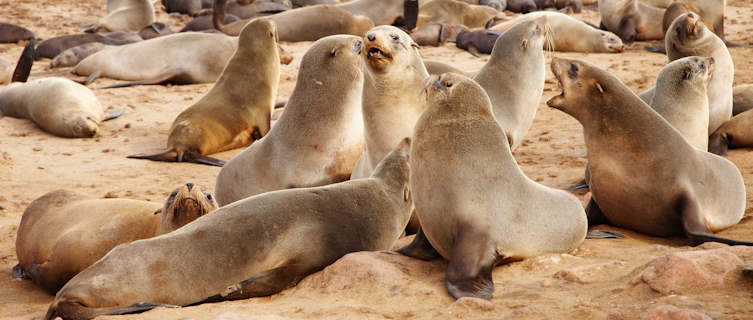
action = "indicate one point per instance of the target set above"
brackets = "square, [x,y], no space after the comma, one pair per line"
[419,248]
[74,310]
[473,50]
[469,273]
[172,75]
[594,214]
[579,185]
[604,234]
[259,285]
[695,227]
[195,157]
[114,114]
[410,14]
[172,156]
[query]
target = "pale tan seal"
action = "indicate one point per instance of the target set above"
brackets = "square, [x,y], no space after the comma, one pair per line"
[186,57]
[632,20]
[680,98]
[570,34]
[477,207]
[257,246]
[435,68]
[303,24]
[515,96]
[455,12]
[317,139]
[742,98]
[687,36]
[237,110]
[125,15]
[653,181]
[63,232]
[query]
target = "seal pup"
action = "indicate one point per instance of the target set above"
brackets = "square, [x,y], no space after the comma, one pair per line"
[125,15]
[515,96]
[73,56]
[257,246]
[682,100]
[64,231]
[687,36]
[302,24]
[11,33]
[392,96]
[455,12]
[474,202]
[52,47]
[742,98]
[521,6]
[653,181]
[318,138]
[569,34]
[631,20]
[436,34]
[237,110]
[186,57]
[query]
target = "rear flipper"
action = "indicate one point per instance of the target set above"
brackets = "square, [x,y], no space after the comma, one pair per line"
[469,273]
[173,156]
[74,310]
[695,227]
[25,62]
[172,75]
[410,14]
[594,214]
[579,185]
[719,31]
[604,234]
[19,272]
[87,80]
[419,248]
[259,285]
[657,47]
[114,114]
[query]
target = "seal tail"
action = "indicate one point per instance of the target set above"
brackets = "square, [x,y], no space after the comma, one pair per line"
[25,62]
[76,311]
[218,15]
[655,49]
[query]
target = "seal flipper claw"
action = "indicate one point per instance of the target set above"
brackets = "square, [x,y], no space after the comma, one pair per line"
[419,248]
[202,159]
[19,272]
[469,273]
[579,185]
[604,234]
[114,114]
[261,284]
[694,225]
[594,214]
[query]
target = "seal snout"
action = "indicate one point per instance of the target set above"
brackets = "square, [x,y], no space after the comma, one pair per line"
[189,186]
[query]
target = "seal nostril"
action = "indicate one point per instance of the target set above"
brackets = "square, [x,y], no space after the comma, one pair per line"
[371,36]
[189,185]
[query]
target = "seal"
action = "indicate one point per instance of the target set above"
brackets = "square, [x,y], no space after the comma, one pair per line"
[568,34]
[202,23]
[515,96]
[477,42]
[742,98]
[521,6]
[189,7]
[675,189]
[681,98]
[687,36]
[52,47]
[498,5]
[455,12]
[631,20]
[436,68]
[326,106]
[385,12]
[186,57]
[313,227]
[73,56]
[125,15]
[436,34]
[575,6]
[473,200]
[63,232]
[735,133]
[230,115]
[154,30]
[245,10]
[302,24]
[11,33]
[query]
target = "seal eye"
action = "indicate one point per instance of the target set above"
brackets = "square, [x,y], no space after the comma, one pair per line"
[573,72]
[395,37]
[448,84]
[209,196]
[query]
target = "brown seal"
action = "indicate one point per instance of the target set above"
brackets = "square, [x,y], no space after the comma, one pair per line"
[156,29]
[515,96]
[11,33]
[473,200]
[385,12]
[735,133]
[52,47]
[125,15]
[477,42]
[189,7]
[63,232]
[230,115]
[302,24]
[326,106]
[202,23]
[742,98]
[73,56]
[521,6]
[436,34]
[254,247]
[674,188]
[631,20]
[455,12]
[569,34]
[575,6]
[498,5]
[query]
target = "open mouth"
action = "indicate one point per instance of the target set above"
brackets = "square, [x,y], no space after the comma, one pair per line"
[375,53]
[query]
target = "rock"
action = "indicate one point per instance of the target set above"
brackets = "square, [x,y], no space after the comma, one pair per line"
[690,270]
[668,312]
[588,273]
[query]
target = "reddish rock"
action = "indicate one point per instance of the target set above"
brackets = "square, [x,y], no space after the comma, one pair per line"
[668,312]
[691,270]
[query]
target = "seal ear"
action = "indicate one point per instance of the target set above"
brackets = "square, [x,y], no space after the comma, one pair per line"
[598,86]
[524,44]
[334,52]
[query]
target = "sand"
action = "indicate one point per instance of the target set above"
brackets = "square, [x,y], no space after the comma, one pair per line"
[603,279]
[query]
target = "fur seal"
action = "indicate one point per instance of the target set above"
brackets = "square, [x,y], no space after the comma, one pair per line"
[125,15]
[735,133]
[64,232]
[455,12]
[436,34]
[477,42]
[742,98]
[687,36]
[186,57]
[202,23]
[474,202]
[631,20]
[236,253]
[515,96]
[498,5]
[11,33]
[303,24]
[521,6]
[73,56]
[681,98]
[156,29]
[52,47]
[318,138]
[237,110]
[385,12]
[189,7]
[392,96]
[575,6]
[569,34]
[661,189]
[435,68]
